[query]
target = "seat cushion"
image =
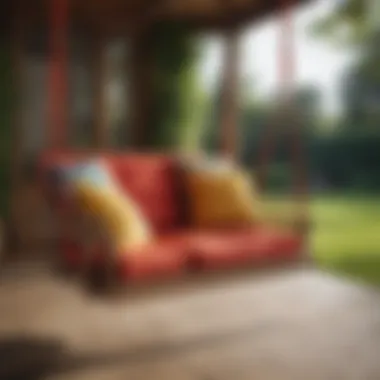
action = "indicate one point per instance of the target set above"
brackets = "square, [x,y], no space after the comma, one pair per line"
[172,254]
[166,257]
[213,249]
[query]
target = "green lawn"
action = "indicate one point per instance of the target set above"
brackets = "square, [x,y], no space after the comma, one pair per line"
[345,235]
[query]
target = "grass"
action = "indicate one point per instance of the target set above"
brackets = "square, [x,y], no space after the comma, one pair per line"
[345,236]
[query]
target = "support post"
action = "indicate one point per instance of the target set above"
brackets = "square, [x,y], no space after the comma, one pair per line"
[18,71]
[141,87]
[230,96]
[58,78]
[12,131]
[99,79]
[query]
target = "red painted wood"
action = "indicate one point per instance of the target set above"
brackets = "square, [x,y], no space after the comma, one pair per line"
[57,117]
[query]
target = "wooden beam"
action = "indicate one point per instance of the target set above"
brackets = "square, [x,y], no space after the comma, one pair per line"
[119,17]
[99,80]
[230,96]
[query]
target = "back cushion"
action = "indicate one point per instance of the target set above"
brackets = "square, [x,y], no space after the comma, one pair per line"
[153,182]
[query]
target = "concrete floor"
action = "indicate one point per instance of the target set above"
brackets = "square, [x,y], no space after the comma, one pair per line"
[291,325]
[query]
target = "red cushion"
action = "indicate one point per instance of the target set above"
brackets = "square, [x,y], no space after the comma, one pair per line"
[230,248]
[165,257]
[171,254]
[153,182]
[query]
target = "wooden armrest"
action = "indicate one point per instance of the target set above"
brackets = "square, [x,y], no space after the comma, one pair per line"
[91,235]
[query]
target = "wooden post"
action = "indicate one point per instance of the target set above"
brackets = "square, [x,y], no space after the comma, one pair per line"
[58,81]
[230,96]
[141,87]
[17,53]
[18,71]
[99,79]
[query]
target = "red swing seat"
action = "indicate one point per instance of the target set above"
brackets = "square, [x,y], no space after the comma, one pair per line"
[178,247]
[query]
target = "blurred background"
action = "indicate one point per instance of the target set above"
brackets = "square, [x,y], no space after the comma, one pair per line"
[262,325]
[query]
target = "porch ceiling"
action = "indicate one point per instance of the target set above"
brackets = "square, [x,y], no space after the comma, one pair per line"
[123,16]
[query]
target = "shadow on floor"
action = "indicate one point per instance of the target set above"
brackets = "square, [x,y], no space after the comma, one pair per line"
[33,359]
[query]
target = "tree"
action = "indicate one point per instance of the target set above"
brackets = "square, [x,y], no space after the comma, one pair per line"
[352,155]
[175,87]
[349,24]
[361,89]
[308,103]
[248,115]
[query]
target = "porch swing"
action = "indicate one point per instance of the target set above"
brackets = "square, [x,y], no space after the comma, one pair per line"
[167,258]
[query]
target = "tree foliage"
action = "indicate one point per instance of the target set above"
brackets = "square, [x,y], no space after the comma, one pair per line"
[353,23]
[361,89]
[177,99]
[349,24]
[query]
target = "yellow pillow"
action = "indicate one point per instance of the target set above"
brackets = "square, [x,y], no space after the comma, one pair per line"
[116,213]
[221,198]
